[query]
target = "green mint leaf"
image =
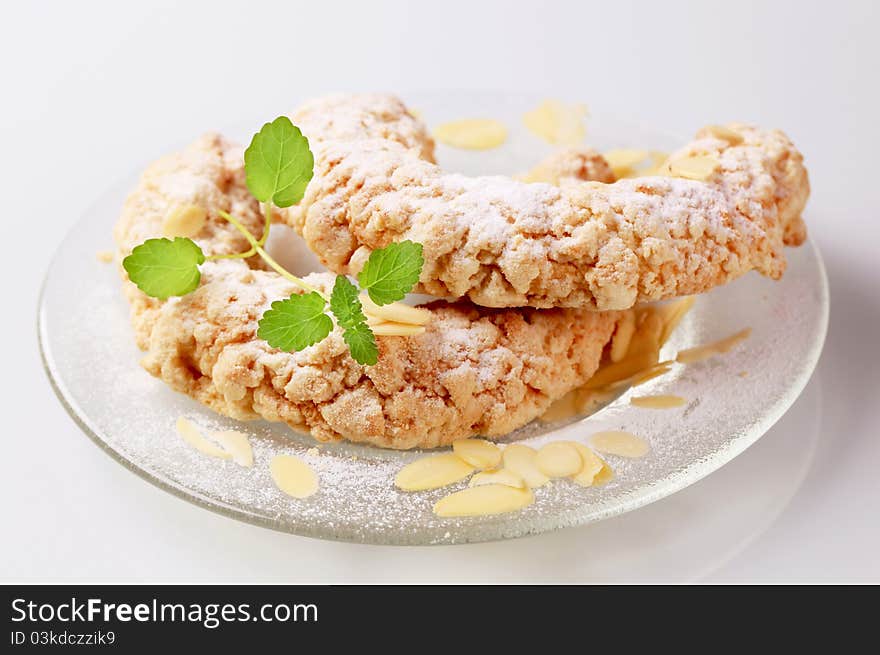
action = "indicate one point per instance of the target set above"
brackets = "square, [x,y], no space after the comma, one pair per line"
[346,307]
[162,267]
[344,303]
[278,163]
[295,323]
[361,343]
[391,272]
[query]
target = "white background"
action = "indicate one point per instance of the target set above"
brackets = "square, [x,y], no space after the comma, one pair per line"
[93,90]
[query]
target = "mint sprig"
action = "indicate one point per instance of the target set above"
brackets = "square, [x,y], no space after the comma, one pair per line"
[361,344]
[278,328]
[278,163]
[344,303]
[349,313]
[278,167]
[162,268]
[391,272]
[296,322]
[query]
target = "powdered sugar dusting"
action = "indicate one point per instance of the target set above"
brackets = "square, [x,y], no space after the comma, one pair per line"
[505,243]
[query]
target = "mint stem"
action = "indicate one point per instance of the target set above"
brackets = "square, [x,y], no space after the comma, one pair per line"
[257,247]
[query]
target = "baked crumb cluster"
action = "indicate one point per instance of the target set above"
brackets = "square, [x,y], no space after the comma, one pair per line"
[503,243]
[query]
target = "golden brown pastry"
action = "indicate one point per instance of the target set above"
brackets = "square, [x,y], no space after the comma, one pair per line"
[505,243]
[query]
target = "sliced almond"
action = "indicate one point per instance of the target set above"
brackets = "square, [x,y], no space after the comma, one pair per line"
[520,459]
[472,134]
[623,161]
[618,442]
[390,329]
[626,327]
[557,122]
[604,476]
[237,445]
[658,161]
[184,221]
[658,402]
[622,370]
[673,313]
[558,459]
[193,436]
[479,453]
[293,476]
[483,501]
[692,355]
[537,174]
[649,374]
[592,465]
[501,476]
[698,167]
[541,121]
[649,328]
[625,173]
[432,472]
[631,163]
[726,134]
[104,256]
[396,312]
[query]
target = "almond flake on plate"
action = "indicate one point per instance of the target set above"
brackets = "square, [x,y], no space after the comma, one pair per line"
[592,466]
[618,442]
[293,476]
[558,459]
[193,436]
[483,501]
[658,402]
[557,123]
[501,476]
[649,374]
[692,355]
[237,445]
[432,472]
[604,476]
[479,453]
[472,134]
[520,459]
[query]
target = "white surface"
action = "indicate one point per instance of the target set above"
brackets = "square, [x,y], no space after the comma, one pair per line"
[91,90]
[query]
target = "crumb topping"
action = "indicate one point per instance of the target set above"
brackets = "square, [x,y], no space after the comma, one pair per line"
[504,243]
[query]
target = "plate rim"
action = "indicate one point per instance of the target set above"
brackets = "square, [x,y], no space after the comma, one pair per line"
[628,502]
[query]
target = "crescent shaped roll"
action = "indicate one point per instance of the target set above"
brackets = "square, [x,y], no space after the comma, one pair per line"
[504,243]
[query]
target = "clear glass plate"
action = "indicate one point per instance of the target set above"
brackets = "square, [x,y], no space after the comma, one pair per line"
[91,359]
